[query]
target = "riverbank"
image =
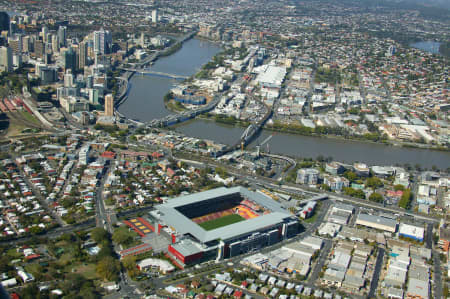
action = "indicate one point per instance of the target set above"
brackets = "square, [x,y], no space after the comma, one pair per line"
[388,143]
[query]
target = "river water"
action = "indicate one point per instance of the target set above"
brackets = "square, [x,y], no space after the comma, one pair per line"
[146,93]
[145,102]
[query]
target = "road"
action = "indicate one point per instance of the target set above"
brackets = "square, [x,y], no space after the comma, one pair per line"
[376,272]
[437,276]
[320,262]
[101,213]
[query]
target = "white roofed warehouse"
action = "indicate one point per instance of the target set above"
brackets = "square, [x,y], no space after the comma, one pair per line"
[377,222]
[411,231]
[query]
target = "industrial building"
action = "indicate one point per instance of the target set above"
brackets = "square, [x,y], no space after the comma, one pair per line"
[264,222]
[272,77]
[377,222]
[411,231]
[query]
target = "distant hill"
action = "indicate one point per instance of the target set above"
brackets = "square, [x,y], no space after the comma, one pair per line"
[436,3]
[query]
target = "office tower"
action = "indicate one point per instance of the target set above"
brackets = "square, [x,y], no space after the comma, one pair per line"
[155,16]
[90,81]
[4,21]
[39,48]
[15,43]
[82,55]
[17,61]
[55,43]
[109,105]
[102,41]
[26,44]
[93,96]
[44,33]
[62,31]
[13,28]
[6,59]
[70,60]
[142,41]
[68,79]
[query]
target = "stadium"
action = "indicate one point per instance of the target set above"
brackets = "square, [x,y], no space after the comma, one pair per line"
[221,223]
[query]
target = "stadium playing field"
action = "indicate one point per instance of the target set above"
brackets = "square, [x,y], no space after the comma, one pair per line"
[223,221]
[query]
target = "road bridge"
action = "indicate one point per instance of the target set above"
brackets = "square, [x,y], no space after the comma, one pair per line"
[183,116]
[248,135]
[155,73]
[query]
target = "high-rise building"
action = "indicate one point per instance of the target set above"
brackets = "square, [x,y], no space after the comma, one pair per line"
[39,48]
[4,21]
[13,28]
[82,55]
[26,44]
[70,60]
[142,41]
[109,105]
[55,43]
[90,81]
[62,31]
[93,96]
[15,43]
[68,79]
[44,33]
[102,41]
[6,59]
[155,16]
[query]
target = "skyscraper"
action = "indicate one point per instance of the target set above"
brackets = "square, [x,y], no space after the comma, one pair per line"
[62,30]
[68,79]
[6,59]
[82,55]
[155,16]
[102,41]
[4,21]
[70,59]
[44,33]
[109,105]
[55,43]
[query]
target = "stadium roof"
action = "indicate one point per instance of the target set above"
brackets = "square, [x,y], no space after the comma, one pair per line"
[184,225]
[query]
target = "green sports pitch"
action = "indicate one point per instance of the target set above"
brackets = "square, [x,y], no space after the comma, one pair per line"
[222,221]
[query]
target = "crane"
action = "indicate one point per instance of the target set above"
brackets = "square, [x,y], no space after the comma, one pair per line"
[264,142]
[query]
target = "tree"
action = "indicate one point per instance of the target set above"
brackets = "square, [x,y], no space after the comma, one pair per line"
[129,262]
[108,268]
[376,197]
[374,183]
[122,236]
[350,175]
[99,234]
[405,200]
[354,192]
[399,187]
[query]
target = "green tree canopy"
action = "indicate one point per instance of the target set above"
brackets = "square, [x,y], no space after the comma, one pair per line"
[108,268]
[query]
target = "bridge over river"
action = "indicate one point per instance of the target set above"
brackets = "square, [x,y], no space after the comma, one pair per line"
[151,72]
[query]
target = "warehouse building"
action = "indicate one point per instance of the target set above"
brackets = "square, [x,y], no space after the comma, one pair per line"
[411,231]
[377,222]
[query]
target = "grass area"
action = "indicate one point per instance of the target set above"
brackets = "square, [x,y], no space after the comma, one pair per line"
[30,117]
[87,270]
[223,221]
